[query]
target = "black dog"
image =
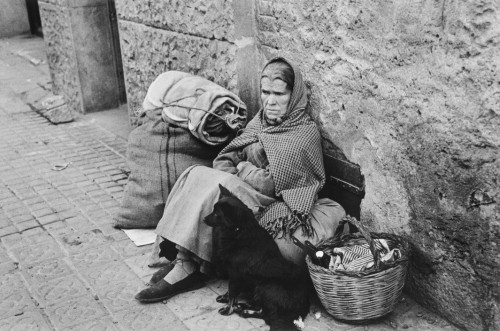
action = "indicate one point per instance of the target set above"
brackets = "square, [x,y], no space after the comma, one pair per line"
[253,262]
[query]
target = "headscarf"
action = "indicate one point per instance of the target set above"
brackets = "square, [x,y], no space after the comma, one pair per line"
[293,148]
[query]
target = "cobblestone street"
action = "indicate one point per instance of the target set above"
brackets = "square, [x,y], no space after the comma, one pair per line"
[62,264]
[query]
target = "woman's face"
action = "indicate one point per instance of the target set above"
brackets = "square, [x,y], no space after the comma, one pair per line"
[275,96]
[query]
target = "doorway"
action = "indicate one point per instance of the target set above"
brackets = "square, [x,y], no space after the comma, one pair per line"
[34,17]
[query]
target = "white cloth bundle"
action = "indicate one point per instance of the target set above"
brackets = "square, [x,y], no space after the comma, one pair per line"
[188,102]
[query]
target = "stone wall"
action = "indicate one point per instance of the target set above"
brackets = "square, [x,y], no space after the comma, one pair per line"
[81,54]
[410,91]
[60,53]
[13,18]
[157,36]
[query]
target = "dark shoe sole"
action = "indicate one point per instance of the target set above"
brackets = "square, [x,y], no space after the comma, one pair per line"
[192,288]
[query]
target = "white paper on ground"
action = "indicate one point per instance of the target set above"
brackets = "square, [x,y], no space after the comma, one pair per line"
[141,237]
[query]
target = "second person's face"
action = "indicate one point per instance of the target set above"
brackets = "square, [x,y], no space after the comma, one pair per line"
[275,96]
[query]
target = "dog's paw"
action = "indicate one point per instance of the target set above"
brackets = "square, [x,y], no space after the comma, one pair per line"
[246,309]
[226,311]
[224,298]
[246,306]
[253,312]
[237,309]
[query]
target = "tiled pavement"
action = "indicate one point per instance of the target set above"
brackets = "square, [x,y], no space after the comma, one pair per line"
[62,265]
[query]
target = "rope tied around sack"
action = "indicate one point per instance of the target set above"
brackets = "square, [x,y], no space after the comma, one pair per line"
[233,120]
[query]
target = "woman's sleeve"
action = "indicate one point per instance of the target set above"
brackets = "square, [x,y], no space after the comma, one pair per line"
[260,179]
[227,162]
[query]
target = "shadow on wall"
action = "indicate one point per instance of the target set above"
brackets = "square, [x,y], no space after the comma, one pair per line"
[34,17]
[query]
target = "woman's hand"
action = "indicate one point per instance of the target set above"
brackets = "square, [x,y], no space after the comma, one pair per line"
[241,156]
[260,179]
[228,162]
[241,165]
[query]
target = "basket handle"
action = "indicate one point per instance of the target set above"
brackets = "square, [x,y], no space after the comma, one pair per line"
[362,229]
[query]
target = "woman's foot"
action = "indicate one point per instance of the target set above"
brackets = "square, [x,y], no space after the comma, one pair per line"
[184,276]
[160,274]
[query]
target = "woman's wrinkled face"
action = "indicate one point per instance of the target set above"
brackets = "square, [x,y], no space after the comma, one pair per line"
[275,96]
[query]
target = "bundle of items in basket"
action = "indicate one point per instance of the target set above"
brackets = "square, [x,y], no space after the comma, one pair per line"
[357,276]
[355,258]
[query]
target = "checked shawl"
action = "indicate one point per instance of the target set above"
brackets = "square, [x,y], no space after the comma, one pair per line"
[295,157]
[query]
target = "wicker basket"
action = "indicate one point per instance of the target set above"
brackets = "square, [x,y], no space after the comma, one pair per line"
[359,296]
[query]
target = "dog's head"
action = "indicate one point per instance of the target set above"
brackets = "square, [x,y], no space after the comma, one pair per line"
[229,212]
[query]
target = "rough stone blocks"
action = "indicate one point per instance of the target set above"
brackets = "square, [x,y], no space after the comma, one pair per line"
[80,54]
[60,53]
[54,108]
[148,52]
[206,19]
[405,91]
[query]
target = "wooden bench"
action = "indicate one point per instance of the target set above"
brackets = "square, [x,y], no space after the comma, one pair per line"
[345,184]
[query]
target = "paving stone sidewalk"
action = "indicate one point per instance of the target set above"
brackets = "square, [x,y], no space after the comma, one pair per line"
[62,265]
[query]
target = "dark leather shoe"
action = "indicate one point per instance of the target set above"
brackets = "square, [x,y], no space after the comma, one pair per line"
[160,274]
[162,290]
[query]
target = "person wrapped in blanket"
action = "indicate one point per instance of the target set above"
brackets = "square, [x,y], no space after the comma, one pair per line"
[275,166]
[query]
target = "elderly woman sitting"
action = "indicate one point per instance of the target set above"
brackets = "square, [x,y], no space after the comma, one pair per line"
[275,167]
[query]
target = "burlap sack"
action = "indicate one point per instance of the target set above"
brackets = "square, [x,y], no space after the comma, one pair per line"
[157,153]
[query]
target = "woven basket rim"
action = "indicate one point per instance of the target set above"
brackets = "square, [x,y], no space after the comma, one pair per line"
[319,269]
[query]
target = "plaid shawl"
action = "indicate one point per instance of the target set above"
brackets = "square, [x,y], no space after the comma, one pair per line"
[296,161]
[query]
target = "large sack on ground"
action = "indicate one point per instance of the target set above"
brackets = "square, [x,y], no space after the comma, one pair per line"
[157,153]
[161,148]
